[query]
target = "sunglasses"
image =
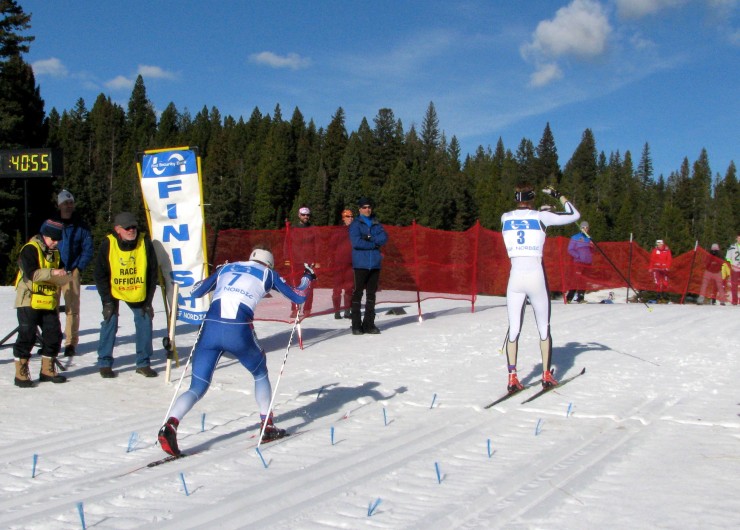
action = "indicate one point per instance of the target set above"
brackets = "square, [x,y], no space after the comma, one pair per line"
[348,217]
[365,207]
[128,228]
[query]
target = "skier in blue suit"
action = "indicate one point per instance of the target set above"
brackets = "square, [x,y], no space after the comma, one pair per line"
[237,288]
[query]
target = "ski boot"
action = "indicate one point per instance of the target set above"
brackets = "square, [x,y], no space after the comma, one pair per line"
[548,381]
[168,437]
[514,384]
[270,431]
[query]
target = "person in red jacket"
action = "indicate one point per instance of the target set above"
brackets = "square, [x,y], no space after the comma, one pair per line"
[660,263]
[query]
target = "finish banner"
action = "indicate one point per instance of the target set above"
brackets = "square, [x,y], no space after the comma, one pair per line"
[172,188]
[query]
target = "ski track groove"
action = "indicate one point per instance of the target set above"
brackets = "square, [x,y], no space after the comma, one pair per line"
[545,478]
[107,481]
[325,481]
[43,500]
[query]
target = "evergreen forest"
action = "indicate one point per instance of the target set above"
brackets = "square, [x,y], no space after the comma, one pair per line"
[258,170]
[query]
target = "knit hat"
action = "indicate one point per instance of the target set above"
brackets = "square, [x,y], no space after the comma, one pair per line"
[715,246]
[125,219]
[584,224]
[64,196]
[305,210]
[364,201]
[52,230]
[658,242]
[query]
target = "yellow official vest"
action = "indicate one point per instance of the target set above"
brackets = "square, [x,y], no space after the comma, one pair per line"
[44,295]
[127,271]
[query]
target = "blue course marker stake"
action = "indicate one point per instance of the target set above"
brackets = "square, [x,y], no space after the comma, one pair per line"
[372,506]
[203,422]
[81,513]
[439,475]
[33,466]
[184,486]
[385,418]
[261,457]
[538,427]
[332,435]
[434,398]
[132,441]
[490,452]
[570,408]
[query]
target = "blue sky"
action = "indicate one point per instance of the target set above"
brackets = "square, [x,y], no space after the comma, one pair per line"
[665,72]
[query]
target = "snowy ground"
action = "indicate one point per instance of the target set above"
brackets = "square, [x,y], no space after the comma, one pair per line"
[649,437]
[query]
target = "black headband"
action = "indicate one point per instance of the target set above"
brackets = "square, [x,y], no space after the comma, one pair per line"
[524,196]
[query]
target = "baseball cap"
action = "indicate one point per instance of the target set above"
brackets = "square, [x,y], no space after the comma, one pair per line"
[125,219]
[305,210]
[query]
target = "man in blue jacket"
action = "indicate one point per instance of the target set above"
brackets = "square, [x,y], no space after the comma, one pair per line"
[76,252]
[366,235]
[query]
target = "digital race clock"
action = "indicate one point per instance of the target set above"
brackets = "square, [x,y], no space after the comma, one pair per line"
[30,163]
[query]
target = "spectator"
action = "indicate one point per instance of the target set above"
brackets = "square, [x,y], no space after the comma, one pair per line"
[126,270]
[367,236]
[523,230]
[343,273]
[712,282]
[733,258]
[660,263]
[303,251]
[40,276]
[76,252]
[581,250]
[237,289]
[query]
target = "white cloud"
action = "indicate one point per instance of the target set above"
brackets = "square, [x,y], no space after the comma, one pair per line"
[51,66]
[120,83]
[292,60]
[545,74]
[155,72]
[580,29]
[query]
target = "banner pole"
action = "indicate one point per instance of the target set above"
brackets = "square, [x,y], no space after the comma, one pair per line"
[171,348]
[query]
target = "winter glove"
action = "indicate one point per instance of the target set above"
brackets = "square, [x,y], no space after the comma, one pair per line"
[308,271]
[109,309]
[367,237]
[555,194]
[148,310]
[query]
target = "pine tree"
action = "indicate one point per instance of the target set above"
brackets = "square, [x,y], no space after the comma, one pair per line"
[547,167]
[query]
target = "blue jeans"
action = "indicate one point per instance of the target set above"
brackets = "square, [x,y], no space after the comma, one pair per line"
[108,330]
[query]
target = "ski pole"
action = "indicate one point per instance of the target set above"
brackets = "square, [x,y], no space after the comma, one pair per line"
[277,382]
[618,271]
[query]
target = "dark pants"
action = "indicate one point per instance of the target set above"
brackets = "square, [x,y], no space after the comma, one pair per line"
[29,320]
[365,280]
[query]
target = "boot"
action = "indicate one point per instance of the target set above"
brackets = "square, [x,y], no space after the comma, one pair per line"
[514,384]
[356,319]
[337,315]
[548,380]
[49,371]
[368,323]
[168,437]
[271,432]
[22,374]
